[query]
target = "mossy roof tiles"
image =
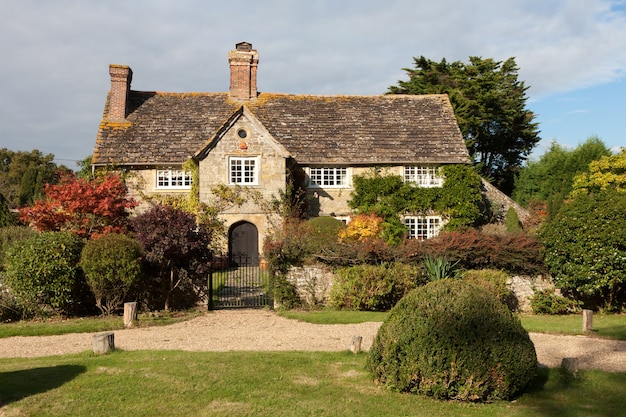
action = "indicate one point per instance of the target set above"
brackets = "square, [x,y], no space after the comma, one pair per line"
[168,128]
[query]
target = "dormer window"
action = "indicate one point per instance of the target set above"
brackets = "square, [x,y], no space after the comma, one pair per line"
[173,179]
[423,175]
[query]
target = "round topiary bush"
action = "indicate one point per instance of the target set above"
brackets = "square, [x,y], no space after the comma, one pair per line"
[451,339]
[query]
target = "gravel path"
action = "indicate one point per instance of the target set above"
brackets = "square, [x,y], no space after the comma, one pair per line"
[226,330]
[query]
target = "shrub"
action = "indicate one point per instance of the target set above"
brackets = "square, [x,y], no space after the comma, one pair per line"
[586,248]
[177,249]
[11,308]
[111,264]
[452,340]
[547,302]
[494,281]
[286,247]
[43,271]
[512,252]
[511,220]
[372,287]
[322,232]
[10,235]
[285,293]
[362,227]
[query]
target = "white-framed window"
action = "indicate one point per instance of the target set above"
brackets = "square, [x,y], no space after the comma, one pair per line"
[423,227]
[423,175]
[328,177]
[173,179]
[243,170]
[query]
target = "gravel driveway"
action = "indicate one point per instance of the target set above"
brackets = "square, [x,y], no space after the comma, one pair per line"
[226,330]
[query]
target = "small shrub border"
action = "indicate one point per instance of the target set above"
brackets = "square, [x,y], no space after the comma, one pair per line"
[548,302]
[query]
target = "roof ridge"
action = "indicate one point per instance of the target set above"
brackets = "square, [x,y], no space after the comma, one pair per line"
[391,96]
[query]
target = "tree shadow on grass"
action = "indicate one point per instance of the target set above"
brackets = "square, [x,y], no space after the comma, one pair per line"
[556,392]
[16,385]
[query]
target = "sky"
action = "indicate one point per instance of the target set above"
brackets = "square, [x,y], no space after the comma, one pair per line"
[55,56]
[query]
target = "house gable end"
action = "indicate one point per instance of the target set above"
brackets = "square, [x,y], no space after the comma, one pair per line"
[214,139]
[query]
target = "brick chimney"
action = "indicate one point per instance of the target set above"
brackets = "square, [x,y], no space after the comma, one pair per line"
[243,66]
[121,76]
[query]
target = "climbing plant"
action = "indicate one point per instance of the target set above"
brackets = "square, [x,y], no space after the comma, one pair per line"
[458,200]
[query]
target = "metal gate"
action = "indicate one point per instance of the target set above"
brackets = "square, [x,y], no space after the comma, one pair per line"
[239,282]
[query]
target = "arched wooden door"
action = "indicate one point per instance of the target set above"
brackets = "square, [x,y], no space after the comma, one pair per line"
[243,244]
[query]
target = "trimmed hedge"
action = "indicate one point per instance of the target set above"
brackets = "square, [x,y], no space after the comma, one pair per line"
[452,340]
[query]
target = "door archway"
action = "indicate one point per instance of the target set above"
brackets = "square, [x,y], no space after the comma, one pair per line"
[243,243]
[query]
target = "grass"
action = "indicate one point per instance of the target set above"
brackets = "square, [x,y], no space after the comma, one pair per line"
[89,324]
[611,326]
[159,383]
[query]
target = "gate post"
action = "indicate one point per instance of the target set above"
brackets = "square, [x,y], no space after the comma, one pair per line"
[210,296]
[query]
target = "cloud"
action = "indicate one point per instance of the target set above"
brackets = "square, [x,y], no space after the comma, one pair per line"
[56,54]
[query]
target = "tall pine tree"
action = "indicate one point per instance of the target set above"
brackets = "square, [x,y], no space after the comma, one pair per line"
[490,106]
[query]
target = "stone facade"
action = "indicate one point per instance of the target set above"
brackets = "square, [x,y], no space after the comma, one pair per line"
[144,131]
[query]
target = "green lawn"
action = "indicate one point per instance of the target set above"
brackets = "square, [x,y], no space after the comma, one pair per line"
[611,326]
[89,324]
[166,383]
[605,325]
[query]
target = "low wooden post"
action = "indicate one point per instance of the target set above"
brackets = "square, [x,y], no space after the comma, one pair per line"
[587,321]
[103,342]
[356,344]
[130,314]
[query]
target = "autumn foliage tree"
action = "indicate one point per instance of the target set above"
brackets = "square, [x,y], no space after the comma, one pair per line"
[82,206]
[362,227]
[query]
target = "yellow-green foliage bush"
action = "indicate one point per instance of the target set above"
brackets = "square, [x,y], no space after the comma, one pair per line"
[373,287]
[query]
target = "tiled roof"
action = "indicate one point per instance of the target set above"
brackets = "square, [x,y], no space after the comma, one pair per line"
[164,128]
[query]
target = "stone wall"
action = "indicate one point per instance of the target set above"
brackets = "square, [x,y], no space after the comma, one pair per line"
[314,282]
[523,288]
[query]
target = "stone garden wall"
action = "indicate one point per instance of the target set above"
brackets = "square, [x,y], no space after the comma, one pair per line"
[313,283]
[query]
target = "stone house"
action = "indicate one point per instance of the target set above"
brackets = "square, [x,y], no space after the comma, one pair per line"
[260,140]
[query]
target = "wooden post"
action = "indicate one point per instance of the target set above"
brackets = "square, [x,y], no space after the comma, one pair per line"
[587,321]
[130,314]
[356,344]
[103,342]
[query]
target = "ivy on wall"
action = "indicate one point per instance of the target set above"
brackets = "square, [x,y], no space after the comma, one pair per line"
[459,200]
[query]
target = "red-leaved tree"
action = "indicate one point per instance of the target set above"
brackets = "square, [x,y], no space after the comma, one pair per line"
[85,207]
[176,246]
